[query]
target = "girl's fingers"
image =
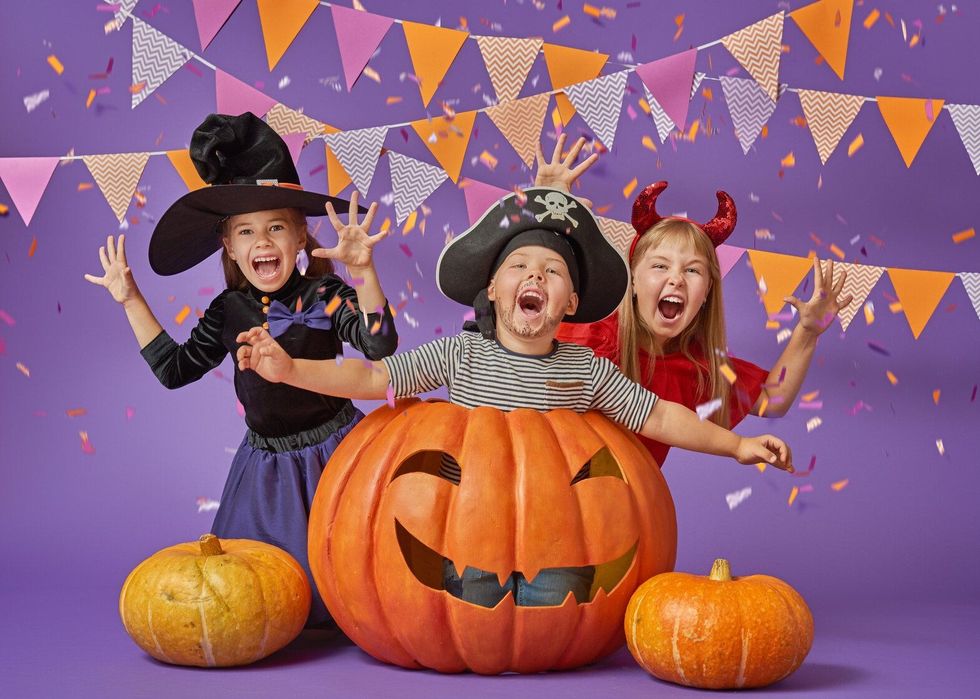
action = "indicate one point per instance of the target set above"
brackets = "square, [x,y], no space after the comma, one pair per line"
[845,302]
[352,218]
[538,154]
[574,151]
[110,249]
[369,218]
[334,218]
[559,144]
[104,259]
[95,280]
[583,166]
[817,276]
[378,237]
[792,301]
[121,254]
[324,252]
[839,286]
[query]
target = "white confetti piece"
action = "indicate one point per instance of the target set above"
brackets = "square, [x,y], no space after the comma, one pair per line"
[706,410]
[207,504]
[813,423]
[737,498]
[31,102]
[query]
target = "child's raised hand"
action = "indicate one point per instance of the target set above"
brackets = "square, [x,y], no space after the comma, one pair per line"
[118,277]
[767,449]
[354,244]
[558,173]
[819,312]
[263,355]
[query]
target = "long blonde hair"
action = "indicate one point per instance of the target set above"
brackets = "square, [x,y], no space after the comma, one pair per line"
[318,266]
[706,332]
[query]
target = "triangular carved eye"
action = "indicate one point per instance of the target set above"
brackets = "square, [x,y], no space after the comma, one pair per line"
[602,464]
[434,462]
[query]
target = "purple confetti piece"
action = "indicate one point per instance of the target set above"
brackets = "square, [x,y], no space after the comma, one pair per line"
[878,348]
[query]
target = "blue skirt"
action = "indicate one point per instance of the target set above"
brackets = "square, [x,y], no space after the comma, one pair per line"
[270,489]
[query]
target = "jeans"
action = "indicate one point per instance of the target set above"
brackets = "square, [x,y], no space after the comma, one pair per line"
[548,589]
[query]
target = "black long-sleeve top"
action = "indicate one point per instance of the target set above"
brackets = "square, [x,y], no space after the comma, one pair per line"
[274,409]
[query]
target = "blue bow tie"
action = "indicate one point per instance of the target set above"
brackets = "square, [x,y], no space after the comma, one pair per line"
[280,317]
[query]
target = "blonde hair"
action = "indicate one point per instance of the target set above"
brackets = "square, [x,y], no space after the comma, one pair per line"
[706,332]
[318,266]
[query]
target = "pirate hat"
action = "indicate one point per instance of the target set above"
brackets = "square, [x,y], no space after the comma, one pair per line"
[250,168]
[467,263]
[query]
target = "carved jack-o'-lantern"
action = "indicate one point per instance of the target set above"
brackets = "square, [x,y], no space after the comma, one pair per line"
[383,521]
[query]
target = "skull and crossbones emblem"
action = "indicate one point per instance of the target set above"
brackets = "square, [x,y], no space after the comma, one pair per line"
[556,205]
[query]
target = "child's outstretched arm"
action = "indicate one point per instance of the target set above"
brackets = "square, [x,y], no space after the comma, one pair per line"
[558,172]
[674,424]
[118,281]
[353,378]
[816,315]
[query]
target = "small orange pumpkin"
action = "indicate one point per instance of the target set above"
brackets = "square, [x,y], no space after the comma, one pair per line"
[215,603]
[718,632]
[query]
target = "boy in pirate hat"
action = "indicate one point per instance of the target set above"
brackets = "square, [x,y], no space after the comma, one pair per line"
[255,213]
[531,261]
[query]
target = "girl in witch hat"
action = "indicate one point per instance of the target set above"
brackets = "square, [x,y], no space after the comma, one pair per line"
[255,214]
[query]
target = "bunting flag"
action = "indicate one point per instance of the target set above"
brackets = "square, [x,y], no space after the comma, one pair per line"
[777,276]
[117,176]
[567,66]
[508,62]
[284,120]
[663,122]
[620,234]
[122,12]
[971,282]
[155,58]
[358,35]
[669,81]
[757,48]
[909,119]
[295,142]
[211,16]
[479,197]
[827,24]
[281,21]
[337,176]
[412,181]
[433,50]
[728,255]
[181,160]
[447,139]
[749,106]
[919,292]
[861,279]
[521,121]
[828,115]
[25,180]
[358,151]
[966,117]
[600,101]
[235,97]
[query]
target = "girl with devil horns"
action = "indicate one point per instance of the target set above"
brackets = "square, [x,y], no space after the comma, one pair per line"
[668,333]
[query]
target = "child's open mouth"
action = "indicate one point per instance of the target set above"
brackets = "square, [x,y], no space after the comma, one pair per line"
[670,306]
[266,267]
[531,302]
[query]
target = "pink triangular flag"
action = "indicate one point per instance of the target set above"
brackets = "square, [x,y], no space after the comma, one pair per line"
[25,180]
[480,196]
[728,255]
[669,81]
[358,35]
[236,97]
[294,142]
[211,15]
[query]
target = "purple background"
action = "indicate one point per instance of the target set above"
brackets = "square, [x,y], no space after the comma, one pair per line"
[888,564]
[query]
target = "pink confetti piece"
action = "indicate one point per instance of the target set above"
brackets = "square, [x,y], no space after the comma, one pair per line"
[405,249]
[811,405]
[6,318]
[807,488]
[390,396]
[23,370]
[240,408]
[809,468]
[86,445]
[130,412]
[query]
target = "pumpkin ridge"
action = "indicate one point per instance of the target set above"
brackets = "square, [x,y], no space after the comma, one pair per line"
[257,585]
[205,637]
[153,635]
[803,626]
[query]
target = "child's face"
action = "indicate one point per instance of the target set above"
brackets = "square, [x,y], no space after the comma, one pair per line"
[671,282]
[264,245]
[532,292]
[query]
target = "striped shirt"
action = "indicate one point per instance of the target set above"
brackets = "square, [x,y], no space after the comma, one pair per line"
[480,372]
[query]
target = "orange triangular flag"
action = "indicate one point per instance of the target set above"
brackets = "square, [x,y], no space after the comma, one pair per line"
[447,139]
[567,66]
[181,160]
[281,21]
[827,24]
[433,50]
[117,175]
[284,121]
[909,120]
[521,121]
[777,276]
[919,292]
[337,177]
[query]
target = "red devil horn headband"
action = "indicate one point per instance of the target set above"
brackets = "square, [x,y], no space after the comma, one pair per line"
[645,216]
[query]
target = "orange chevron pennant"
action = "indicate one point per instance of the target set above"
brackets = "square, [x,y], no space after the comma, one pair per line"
[909,120]
[861,279]
[181,160]
[919,292]
[447,139]
[337,177]
[828,114]
[567,66]
[281,21]
[827,24]
[758,47]
[284,120]
[521,121]
[433,50]
[777,276]
[117,175]
[508,62]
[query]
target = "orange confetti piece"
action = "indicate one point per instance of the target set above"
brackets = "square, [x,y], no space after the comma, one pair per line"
[872,17]
[855,145]
[85,186]
[708,93]
[788,161]
[693,131]
[869,313]
[914,40]
[809,397]
[55,64]
[372,73]
[792,495]
[4,209]
[935,396]
[90,99]
[772,325]
[763,405]
[410,222]
[891,378]
[963,235]
[765,131]
[395,99]
[386,224]
[895,307]
[33,248]
[628,189]
[488,160]
[840,485]
[332,306]
[591,10]
[649,144]
[761,466]
[182,315]
[376,327]
[75,412]
[728,373]
[837,251]
[561,24]
[137,87]
[23,370]
[644,105]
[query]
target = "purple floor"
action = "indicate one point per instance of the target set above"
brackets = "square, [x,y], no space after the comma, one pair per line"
[71,643]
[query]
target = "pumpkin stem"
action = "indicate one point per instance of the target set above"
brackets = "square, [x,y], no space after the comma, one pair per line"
[720,571]
[210,545]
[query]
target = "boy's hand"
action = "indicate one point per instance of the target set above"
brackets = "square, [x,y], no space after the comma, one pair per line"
[118,277]
[819,312]
[767,449]
[263,355]
[559,173]
[354,244]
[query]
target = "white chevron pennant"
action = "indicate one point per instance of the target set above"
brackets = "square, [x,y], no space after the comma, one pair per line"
[971,282]
[828,114]
[508,62]
[284,120]
[861,279]
[757,47]
[967,120]
[123,12]
[599,102]
[664,123]
[358,151]
[117,175]
[412,181]
[155,58]
[749,106]
[619,233]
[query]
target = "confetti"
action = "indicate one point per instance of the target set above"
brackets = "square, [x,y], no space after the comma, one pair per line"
[811,405]
[4,209]
[23,370]
[390,395]
[90,99]
[763,405]
[284,82]
[706,410]
[488,160]
[840,485]
[86,445]
[649,144]
[75,412]
[891,378]
[393,100]
[935,396]
[940,447]
[207,504]
[405,249]
[182,315]
[56,64]
[31,102]
[963,235]
[813,423]
[372,74]
[869,313]
[561,24]
[878,348]
[788,161]
[855,145]
[872,17]
[409,227]
[628,189]
[737,498]
[792,495]
[783,335]
[837,251]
